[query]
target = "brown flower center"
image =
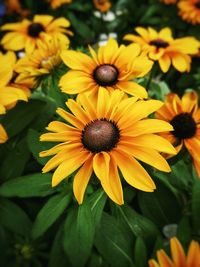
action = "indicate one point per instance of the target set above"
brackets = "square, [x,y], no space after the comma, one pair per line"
[197,4]
[100,135]
[35,29]
[184,126]
[106,75]
[159,43]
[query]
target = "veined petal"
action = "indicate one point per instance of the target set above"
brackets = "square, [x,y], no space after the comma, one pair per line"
[189,101]
[61,136]
[68,166]
[147,155]
[133,172]
[132,88]
[58,126]
[78,61]
[177,252]
[101,166]
[147,126]
[81,180]
[70,118]
[164,62]
[78,111]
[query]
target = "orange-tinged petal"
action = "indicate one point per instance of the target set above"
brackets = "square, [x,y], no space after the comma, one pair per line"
[81,179]
[68,166]
[164,62]
[189,101]
[78,61]
[193,255]
[70,118]
[177,252]
[164,260]
[78,111]
[133,172]
[3,135]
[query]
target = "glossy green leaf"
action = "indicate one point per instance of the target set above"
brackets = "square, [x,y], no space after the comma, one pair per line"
[32,185]
[49,213]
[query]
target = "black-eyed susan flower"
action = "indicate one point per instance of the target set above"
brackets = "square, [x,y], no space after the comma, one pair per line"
[103,136]
[184,115]
[3,135]
[41,61]
[162,47]
[112,68]
[28,34]
[57,3]
[10,92]
[102,5]
[189,10]
[178,256]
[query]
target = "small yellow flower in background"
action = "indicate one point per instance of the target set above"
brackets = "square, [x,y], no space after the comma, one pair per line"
[41,61]
[3,135]
[168,2]
[28,34]
[179,258]
[189,10]
[10,92]
[184,115]
[162,47]
[102,5]
[105,135]
[57,3]
[112,68]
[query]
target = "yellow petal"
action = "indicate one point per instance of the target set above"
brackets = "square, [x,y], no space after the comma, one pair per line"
[58,126]
[81,180]
[133,172]
[164,62]
[3,135]
[70,118]
[179,62]
[189,101]
[68,166]
[132,88]
[78,111]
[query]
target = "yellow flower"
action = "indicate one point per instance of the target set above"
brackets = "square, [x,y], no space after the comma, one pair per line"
[57,3]
[189,10]
[102,5]
[162,47]
[112,68]
[42,61]
[3,135]
[10,93]
[184,115]
[28,34]
[179,259]
[168,2]
[104,135]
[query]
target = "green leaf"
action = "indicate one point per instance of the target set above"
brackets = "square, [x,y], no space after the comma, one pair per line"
[35,146]
[49,213]
[33,185]
[161,206]
[111,243]
[140,253]
[57,253]
[18,118]
[139,225]
[97,202]
[196,205]
[14,218]
[15,160]
[79,235]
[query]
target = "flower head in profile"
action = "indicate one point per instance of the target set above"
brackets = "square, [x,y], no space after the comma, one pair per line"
[41,61]
[10,92]
[57,3]
[178,256]
[162,47]
[102,5]
[3,135]
[113,67]
[189,10]
[28,34]
[184,115]
[106,136]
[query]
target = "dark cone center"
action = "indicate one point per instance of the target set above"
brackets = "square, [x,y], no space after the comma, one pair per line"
[197,4]
[159,43]
[106,75]
[100,135]
[184,126]
[35,29]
